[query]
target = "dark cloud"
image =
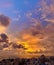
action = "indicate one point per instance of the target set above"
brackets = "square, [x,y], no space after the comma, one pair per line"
[4,20]
[4,38]
[18,46]
[35,33]
[5,45]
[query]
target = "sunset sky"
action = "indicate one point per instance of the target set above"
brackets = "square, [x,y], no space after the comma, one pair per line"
[29,25]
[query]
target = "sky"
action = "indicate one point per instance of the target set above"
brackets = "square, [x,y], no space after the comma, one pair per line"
[28,24]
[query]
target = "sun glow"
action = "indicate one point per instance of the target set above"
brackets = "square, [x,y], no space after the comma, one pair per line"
[2,29]
[32,48]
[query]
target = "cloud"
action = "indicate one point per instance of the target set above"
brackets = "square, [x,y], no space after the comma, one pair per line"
[45,11]
[37,40]
[17,46]
[4,20]
[37,37]
[48,43]
[50,20]
[4,23]
[4,38]
[30,38]
[12,46]
[5,45]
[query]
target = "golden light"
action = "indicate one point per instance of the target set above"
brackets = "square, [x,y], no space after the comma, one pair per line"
[30,42]
[2,29]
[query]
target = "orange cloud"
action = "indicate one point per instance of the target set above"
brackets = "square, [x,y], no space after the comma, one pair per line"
[30,38]
[2,29]
[37,37]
